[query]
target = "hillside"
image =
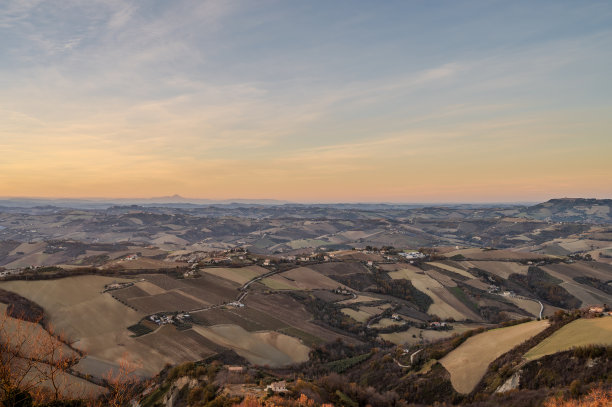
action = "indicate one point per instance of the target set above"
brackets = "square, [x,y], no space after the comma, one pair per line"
[573,210]
[366,304]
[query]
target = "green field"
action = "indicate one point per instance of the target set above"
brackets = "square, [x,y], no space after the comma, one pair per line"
[582,332]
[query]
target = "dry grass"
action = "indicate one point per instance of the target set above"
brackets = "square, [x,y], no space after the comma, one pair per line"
[581,332]
[469,362]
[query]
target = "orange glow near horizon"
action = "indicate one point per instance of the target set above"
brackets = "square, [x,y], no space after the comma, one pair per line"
[357,104]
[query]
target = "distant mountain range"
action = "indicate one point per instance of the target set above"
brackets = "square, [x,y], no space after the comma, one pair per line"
[588,210]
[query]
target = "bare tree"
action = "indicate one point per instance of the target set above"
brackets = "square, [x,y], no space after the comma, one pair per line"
[34,363]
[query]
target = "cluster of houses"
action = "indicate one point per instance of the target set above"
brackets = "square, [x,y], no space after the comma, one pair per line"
[278,387]
[439,325]
[600,311]
[129,257]
[164,319]
[342,291]
[412,255]
[6,273]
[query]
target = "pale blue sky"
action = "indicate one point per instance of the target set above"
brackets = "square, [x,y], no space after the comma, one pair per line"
[471,101]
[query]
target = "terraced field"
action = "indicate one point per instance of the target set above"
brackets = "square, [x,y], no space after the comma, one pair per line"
[582,332]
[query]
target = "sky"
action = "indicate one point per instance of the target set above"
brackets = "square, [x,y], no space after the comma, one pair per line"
[308,101]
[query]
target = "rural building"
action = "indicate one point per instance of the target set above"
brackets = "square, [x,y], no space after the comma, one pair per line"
[235,369]
[278,387]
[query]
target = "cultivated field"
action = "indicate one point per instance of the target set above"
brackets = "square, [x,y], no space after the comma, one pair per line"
[469,362]
[292,313]
[247,318]
[582,332]
[452,269]
[445,305]
[415,335]
[359,316]
[240,275]
[481,254]
[386,322]
[502,269]
[531,306]
[359,299]
[339,268]
[303,278]
[271,348]
[587,294]
[365,313]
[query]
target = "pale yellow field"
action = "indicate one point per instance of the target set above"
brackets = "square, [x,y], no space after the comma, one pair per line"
[359,316]
[262,348]
[469,362]
[238,275]
[582,332]
[421,281]
[150,288]
[365,313]
[452,269]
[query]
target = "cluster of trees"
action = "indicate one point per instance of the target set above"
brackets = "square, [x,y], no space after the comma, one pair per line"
[546,287]
[402,289]
[20,307]
[595,283]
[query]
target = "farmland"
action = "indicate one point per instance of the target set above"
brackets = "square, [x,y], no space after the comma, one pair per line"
[237,275]
[261,348]
[445,305]
[468,363]
[502,269]
[303,278]
[196,261]
[582,332]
